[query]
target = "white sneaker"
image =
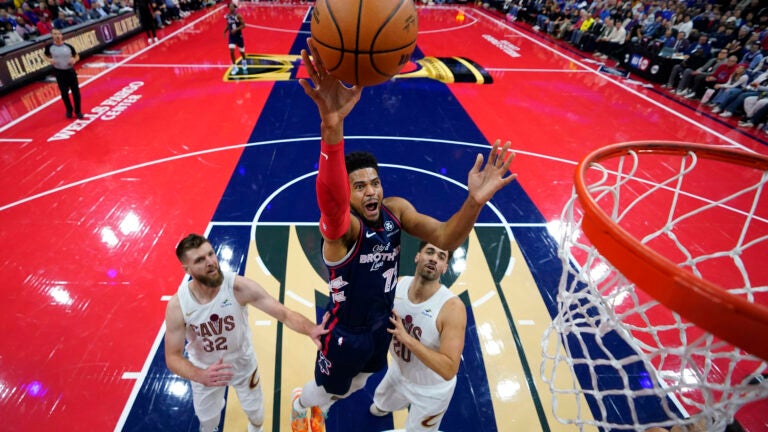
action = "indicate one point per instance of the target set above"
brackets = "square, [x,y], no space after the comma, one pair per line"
[716,109]
[149,40]
[156,40]
[726,114]
[746,124]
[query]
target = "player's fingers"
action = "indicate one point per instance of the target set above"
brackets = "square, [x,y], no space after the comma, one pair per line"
[478,163]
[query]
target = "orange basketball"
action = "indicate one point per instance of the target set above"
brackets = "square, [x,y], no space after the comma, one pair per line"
[364,42]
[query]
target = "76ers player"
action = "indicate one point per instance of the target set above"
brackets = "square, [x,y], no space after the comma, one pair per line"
[235,26]
[361,249]
[210,312]
[429,329]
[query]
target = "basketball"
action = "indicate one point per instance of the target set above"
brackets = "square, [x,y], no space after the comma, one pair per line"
[364,42]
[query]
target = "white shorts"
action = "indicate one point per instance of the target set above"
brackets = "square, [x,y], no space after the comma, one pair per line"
[428,403]
[209,401]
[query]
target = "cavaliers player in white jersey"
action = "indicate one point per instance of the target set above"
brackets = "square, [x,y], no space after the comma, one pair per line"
[210,313]
[429,323]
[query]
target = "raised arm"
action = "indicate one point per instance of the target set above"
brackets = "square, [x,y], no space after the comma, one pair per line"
[482,182]
[248,291]
[334,102]
[451,323]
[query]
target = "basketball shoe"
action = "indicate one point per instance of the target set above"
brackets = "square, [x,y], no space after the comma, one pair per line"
[317,421]
[299,421]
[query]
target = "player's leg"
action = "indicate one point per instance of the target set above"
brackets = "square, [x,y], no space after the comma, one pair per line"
[427,410]
[241,47]
[208,403]
[252,400]
[387,397]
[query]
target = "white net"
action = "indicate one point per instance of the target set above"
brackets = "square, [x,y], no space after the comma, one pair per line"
[634,362]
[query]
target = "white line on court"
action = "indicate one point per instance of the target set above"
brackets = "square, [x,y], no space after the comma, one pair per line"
[29,114]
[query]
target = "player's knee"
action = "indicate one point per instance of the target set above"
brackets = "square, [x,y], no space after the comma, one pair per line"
[255,416]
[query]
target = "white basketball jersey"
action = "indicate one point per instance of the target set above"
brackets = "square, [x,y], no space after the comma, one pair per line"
[218,329]
[420,320]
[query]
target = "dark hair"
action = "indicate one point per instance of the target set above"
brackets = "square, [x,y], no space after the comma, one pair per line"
[359,160]
[192,241]
[423,243]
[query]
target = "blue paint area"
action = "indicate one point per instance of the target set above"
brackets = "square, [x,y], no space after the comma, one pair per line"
[164,402]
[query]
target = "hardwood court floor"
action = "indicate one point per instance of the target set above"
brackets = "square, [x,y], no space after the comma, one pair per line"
[92,210]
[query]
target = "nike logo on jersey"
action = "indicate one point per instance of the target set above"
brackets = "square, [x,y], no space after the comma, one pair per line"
[370,234]
[190,313]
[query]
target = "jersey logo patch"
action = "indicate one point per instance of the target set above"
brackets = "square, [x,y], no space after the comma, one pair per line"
[324,364]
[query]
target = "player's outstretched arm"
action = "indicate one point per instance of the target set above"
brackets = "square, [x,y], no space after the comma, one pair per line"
[249,291]
[218,374]
[483,182]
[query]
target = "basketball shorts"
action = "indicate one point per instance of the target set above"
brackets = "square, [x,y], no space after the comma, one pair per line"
[236,40]
[428,403]
[349,353]
[209,401]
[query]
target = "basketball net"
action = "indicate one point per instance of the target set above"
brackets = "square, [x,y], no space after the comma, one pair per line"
[662,307]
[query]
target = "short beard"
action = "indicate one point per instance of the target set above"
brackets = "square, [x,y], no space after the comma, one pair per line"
[212,282]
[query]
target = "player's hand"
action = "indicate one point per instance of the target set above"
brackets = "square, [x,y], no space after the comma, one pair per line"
[399,331]
[333,99]
[319,330]
[483,183]
[217,375]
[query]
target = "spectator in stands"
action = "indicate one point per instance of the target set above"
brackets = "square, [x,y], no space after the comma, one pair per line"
[613,45]
[566,25]
[685,26]
[752,56]
[79,9]
[63,21]
[726,90]
[29,14]
[586,24]
[650,29]
[759,116]
[691,77]
[733,99]
[720,75]
[44,26]
[8,35]
[25,29]
[720,38]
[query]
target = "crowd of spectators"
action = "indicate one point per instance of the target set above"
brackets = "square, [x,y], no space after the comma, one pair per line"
[712,41]
[22,20]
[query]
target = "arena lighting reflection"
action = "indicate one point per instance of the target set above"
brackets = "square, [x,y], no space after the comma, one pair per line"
[507,389]
[60,296]
[178,388]
[108,237]
[35,389]
[459,262]
[556,228]
[130,224]
[492,345]
[225,257]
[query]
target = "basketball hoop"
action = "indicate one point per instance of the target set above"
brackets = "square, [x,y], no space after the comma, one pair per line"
[663,307]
